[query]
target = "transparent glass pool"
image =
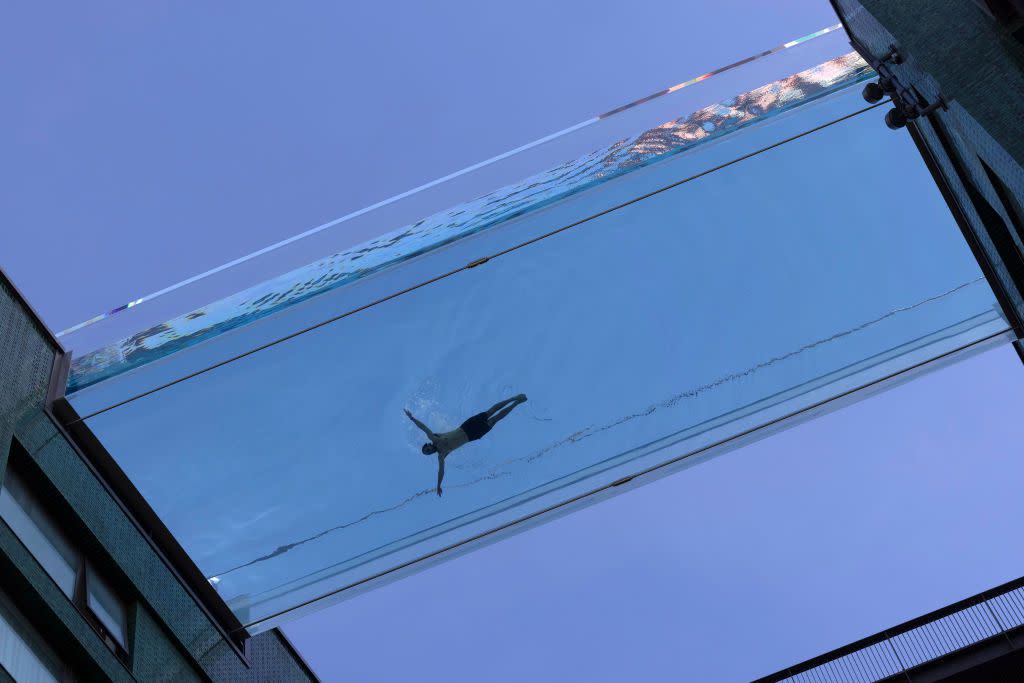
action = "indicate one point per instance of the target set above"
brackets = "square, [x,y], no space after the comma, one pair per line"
[696,296]
[461,203]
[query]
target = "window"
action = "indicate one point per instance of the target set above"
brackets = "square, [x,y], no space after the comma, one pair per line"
[35,529]
[105,606]
[65,563]
[23,653]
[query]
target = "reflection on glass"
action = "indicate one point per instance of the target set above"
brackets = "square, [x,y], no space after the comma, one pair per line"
[640,336]
[306,244]
[530,195]
[105,605]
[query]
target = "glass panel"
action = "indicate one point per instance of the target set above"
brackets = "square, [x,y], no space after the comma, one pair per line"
[597,151]
[655,331]
[31,523]
[836,516]
[105,605]
[23,655]
[498,221]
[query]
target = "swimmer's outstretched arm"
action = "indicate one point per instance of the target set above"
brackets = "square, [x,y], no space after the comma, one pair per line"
[440,473]
[425,428]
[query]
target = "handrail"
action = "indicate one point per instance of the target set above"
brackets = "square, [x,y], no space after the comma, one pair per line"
[991,614]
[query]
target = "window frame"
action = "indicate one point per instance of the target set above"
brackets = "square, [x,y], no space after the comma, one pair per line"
[45,653]
[38,533]
[44,524]
[117,641]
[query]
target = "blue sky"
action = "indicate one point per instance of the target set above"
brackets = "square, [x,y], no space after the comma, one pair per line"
[148,143]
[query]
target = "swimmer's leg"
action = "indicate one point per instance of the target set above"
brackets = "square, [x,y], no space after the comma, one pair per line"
[501,404]
[510,406]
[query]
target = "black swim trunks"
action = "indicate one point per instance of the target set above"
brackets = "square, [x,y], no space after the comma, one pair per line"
[476,426]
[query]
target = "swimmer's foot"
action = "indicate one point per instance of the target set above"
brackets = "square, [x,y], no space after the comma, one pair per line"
[520,397]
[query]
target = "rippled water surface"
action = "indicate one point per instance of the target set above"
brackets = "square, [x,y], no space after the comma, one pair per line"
[436,231]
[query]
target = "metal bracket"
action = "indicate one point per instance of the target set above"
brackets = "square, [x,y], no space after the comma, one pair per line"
[908,104]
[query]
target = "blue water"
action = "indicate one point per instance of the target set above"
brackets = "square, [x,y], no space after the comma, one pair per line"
[650,332]
[530,195]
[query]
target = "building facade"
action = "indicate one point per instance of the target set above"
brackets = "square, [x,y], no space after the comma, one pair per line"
[954,71]
[90,588]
